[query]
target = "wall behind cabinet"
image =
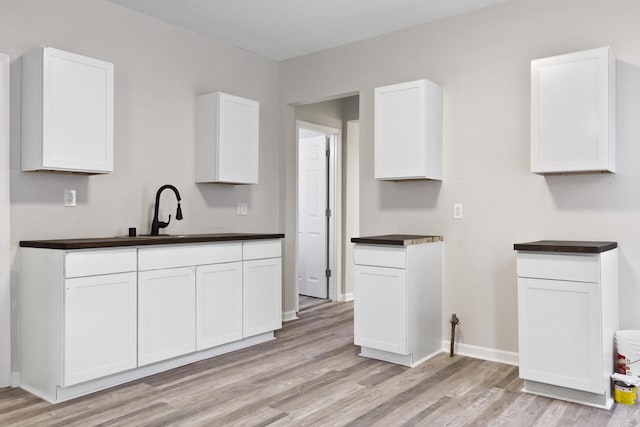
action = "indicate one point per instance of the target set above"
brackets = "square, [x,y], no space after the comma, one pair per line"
[482,60]
[159,70]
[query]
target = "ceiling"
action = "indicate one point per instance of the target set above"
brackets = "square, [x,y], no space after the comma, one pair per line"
[282,29]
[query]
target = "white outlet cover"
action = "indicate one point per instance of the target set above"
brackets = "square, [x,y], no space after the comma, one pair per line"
[457,211]
[242,208]
[70,198]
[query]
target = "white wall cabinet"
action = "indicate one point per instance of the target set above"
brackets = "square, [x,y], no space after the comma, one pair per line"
[67,112]
[166,313]
[227,139]
[408,131]
[573,113]
[100,328]
[91,319]
[398,301]
[218,304]
[567,315]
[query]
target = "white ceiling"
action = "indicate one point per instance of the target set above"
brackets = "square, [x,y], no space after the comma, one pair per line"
[282,29]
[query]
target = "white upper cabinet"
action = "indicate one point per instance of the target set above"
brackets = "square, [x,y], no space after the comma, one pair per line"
[227,135]
[573,113]
[408,131]
[67,112]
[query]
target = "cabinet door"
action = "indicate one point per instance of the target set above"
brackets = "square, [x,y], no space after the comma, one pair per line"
[218,304]
[262,296]
[238,134]
[400,130]
[77,112]
[560,334]
[99,326]
[573,112]
[166,314]
[380,308]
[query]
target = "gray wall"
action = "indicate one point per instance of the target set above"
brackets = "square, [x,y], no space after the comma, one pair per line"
[482,60]
[159,70]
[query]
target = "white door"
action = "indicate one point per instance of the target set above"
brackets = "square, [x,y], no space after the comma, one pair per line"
[262,296]
[218,304]
[312,219]
[100,332]
[560,338]
[166,314]
[380,308]
[5,287]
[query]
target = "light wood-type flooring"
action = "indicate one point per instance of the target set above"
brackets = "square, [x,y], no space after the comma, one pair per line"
[312,376]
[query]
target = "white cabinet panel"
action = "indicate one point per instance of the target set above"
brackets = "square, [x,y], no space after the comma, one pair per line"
[259,249]
[227,139]
[170,256]
[408,131]
[218,304]
[262,296]
[380,312]
[559,266]
[560,333]
[573,112]
[100,330]
[102,261]
[166,314]
[67,112]
[380,256]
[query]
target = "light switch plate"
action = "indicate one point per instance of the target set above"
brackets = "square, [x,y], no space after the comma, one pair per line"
[70,198]
[242,208]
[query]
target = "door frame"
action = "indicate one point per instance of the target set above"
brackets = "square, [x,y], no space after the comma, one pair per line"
[5,226]
[335,204]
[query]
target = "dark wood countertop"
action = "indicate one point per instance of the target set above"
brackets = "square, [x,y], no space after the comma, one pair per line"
[112,242]
[565,246]
[397,239]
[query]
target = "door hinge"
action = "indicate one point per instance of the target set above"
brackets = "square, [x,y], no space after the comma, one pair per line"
[328,213]
[327,273]
[328,153]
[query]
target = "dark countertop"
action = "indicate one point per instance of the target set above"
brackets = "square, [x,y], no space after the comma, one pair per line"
[112,242]
[565,246]
[397,239]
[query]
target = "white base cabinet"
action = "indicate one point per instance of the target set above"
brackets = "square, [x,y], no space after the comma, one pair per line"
[92,319]
[567,316]
[398,302]
[166,313]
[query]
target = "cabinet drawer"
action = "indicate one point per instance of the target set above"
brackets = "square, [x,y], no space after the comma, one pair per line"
[156,258]
[260,249]
[92,263]
[564,266]
[381,256]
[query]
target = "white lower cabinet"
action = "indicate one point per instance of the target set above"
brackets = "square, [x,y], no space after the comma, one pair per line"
[100,326]
[380,316]
[166,313]
[218,304]
[262,296]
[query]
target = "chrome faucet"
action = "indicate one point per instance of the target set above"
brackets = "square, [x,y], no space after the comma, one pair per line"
[156,225]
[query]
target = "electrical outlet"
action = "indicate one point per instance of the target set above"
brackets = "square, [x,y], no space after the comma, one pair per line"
[70,198]
[242,208]
[457,211]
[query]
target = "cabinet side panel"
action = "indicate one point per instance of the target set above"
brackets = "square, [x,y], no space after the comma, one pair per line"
[424,277]
[206,138]
[41,321]
[610,319]
[434,130]
[612,112]
[31,121]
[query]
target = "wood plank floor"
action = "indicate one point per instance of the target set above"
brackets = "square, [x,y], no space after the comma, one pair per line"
[311,376]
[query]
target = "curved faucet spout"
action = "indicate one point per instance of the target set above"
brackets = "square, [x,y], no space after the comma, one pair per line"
[156,224]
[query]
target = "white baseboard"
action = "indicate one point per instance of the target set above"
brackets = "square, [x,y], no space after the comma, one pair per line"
[484,353]
[288,316]
[15,379]
[346,297]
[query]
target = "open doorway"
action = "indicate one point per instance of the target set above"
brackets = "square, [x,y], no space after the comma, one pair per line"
[318,148]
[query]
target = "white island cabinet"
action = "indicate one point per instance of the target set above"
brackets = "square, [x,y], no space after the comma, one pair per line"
[67,112]
[398,297]
[94,318]
[567,317]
